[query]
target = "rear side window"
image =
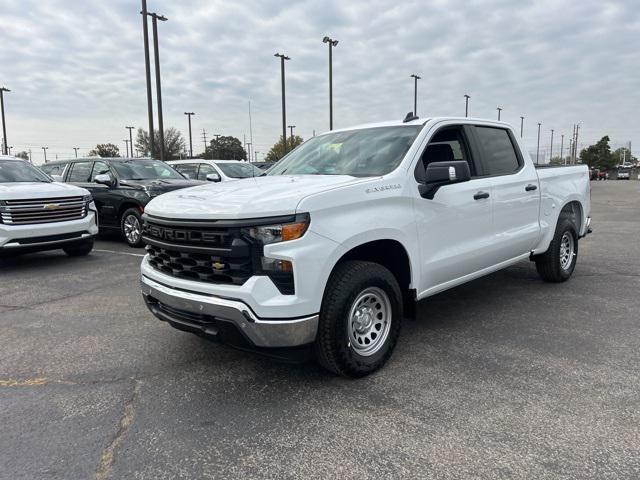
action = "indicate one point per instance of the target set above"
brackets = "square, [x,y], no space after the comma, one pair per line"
[80,172]
[500,157]
[53,169]
[189,170]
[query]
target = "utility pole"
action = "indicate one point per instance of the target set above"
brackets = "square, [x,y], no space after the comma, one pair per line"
[76,151]
[147,66]
[188,114]
[332,43]
[562,160]
[291,127]
[250,126]
[130,139]
[551,150]
[126,146]
[283,58]
[44,149]
[154,21]
[255,154]
[521,126]
[538,148]
[249,151]
[499,111]
[466,105]
[415,93]
[4,123]
[575,144]
[204,139]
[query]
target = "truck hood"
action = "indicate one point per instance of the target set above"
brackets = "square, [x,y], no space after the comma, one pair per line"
[245,198]
[160,186]
[25,190]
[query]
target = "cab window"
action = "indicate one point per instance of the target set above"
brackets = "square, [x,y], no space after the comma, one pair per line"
[448,145]
[499,155]
[80,172]
[205,169]
[100,168]
[189,170]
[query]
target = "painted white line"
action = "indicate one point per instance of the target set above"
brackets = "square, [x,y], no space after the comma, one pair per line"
[119,253]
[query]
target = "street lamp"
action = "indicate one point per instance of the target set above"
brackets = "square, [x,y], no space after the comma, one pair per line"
[538,148]
[126,147]
[466,105]
[130,140]
[154,22]
[44,149]
[562,149]
[415,93]
[188,114]
[76,151]
[521,126]
[499,111]
[551,149]
[10,149]
[4,123]
[284,109]
[332,43]
[291,127]
[145,35]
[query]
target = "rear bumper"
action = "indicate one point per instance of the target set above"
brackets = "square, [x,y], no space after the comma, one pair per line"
[213,316]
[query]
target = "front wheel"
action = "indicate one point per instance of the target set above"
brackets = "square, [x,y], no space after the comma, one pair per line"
[558,262]
[131,227]
[359,319]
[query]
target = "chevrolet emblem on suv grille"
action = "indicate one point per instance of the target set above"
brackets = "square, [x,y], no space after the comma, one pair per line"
[217,265]
[51,206]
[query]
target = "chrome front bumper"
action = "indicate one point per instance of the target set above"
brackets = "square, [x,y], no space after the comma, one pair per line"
[201,312]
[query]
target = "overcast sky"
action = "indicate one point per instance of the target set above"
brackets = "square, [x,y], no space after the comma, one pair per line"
[76,68]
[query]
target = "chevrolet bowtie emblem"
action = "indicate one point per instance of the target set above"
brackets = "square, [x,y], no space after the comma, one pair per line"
[217,265]
[51,206]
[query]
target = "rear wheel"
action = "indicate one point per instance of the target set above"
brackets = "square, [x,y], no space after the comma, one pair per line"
[559,261]
[131,227]
[359,319]
[79,250]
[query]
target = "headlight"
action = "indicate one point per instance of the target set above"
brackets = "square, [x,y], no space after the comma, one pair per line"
[87,198]
[280,233]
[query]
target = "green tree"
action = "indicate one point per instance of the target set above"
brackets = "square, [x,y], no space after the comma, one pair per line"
[623,153]
[23,155]
[107,150]
[225,148]
[277,151]
[598,155]
[173,143]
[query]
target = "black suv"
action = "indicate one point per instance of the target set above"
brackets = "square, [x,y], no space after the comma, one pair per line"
[121,187]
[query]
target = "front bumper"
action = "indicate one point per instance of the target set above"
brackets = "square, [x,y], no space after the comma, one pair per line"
[210,316]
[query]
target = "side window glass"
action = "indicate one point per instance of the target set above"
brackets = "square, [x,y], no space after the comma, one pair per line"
[189,170]
[80,172]
[447,145]
[499,153]
[99,168]
[205,169]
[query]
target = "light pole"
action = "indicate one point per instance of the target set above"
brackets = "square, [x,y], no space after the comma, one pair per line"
[154,21]
[188,114]
[538,148]
[217,135]
[291,127]
[147,66]
[562,149]
[10,149]
[284,109]
[499,111]
[521,126]
[126,147]
[249,150]
[415,93]
[76,151]
[130,140]
[44,149]
[332,43]
[4,123]
[466,105]
[551,148]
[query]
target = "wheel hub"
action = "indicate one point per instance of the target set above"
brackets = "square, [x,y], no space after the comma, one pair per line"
[369,321]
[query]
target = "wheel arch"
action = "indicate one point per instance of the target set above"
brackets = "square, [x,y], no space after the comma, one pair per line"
[126,205]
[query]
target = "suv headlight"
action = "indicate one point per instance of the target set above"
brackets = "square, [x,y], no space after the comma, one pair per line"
[87,198]
[280,232]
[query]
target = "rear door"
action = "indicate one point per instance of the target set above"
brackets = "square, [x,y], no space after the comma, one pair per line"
[515,192]
[103,195]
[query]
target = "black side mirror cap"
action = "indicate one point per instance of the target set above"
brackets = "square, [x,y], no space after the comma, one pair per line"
[439,174]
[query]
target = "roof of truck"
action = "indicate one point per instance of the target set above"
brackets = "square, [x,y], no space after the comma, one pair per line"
[420,122]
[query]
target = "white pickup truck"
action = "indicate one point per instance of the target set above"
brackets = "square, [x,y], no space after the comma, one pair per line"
[37,213]
[333,246]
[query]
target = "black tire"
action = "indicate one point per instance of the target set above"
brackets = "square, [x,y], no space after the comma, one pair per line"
[549,264]
[79,250]
[333,347]
[130,215]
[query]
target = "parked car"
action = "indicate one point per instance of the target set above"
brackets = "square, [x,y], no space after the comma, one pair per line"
[215,170]
[121,188]
[37,213]
[624,173]
[335,244]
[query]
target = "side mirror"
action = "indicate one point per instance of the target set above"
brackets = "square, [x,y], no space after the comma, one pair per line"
[213,177]
[104,179]
[57,178]
[439,174]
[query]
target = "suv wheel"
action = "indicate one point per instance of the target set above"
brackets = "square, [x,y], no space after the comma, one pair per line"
[131,227]
[558,262]
[359,319]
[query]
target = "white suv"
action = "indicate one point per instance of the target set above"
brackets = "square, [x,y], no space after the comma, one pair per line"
[215,170]
[37,213]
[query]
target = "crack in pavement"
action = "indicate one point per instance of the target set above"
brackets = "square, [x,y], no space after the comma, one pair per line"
[107,459]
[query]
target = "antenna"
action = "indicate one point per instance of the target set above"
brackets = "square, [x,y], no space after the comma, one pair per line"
[410,117]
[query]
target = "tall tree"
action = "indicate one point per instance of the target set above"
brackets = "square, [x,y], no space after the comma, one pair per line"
[23,155]
[173,143]
[225,148]
[277,151]
[107,150]
[598,155]
[623,153]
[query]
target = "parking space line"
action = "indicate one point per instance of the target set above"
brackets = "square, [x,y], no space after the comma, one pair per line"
[119,253]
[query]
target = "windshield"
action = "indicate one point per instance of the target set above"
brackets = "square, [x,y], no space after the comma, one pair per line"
[239,170]
[144,170]
[359,153]
[18,171]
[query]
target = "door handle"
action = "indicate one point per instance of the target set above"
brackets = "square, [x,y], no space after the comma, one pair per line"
[531,187]
[481,195]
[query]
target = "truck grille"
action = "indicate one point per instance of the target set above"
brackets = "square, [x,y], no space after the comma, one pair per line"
[215,255]
[42,210]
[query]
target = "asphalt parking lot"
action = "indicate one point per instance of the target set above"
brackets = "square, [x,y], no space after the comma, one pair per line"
[505,377]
